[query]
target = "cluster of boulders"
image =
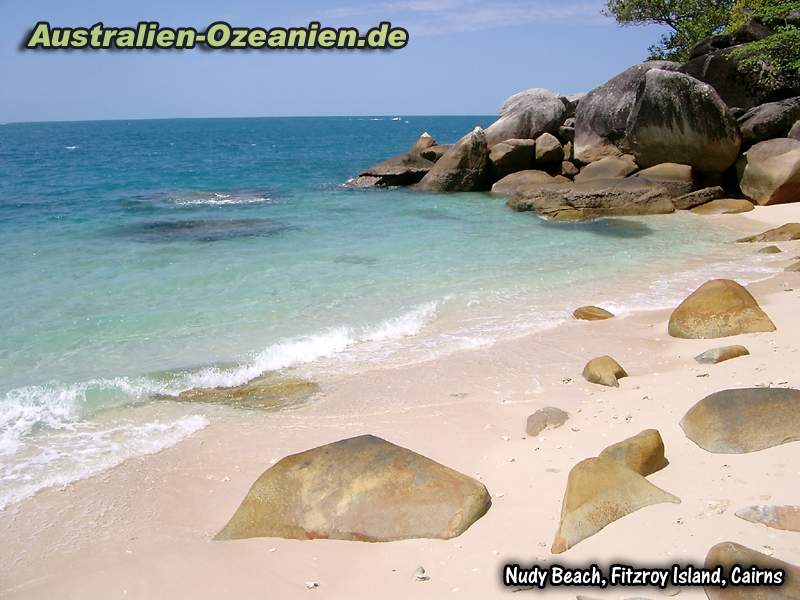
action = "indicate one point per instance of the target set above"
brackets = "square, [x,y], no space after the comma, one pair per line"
[656,138]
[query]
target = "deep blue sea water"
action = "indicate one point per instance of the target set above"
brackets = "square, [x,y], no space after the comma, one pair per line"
[130,248]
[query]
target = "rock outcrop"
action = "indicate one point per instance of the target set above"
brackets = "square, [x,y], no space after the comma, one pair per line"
[511,156]
[549,417]
[744,420]
[771,172]
[718,308]
[600,491]
[785,233]
[364,489]
[729,554]
[464,168]
[643,453]
[604,370]
[602,116]
[527,115]
[591,313]
[678,119]
[592,199]
[721,354]
[406,169]
[770,120]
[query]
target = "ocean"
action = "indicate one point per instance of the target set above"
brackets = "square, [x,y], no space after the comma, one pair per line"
[145,258]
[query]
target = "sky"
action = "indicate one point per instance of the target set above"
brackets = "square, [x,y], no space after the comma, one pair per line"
[463,57]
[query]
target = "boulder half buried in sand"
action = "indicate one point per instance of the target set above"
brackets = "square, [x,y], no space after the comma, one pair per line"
[549,417]
[363,489]
[718,355]
[600,491]
[744,420]
[591,313]
[728,555]
[718,308]
[643,453]
[604,370]
[786,518]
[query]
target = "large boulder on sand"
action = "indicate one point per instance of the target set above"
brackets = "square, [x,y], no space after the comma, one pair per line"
[770,120]
[785,233]
[678,119]
[464,168]
[744,420]
[602,115]
[406,169]
[363,488]
[643,453]
[511,156]
[771,173]
[549,417]
[527,115]
[610,167]
[729,555]
[724,206]
[591,199]
[604,370]
[718,308]
[676,178]
[600,491]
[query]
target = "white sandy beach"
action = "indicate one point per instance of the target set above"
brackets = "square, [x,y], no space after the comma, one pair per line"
[144,529]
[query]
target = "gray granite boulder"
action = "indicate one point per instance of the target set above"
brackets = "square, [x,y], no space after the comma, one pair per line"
[527,115]
[464,168]
[770,172]
[771,120]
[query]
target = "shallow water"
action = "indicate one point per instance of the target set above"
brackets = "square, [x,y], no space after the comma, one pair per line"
[134,248]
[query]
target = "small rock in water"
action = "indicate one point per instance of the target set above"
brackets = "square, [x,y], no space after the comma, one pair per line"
[420,574]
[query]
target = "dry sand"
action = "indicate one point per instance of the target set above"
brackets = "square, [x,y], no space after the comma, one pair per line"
[144,528]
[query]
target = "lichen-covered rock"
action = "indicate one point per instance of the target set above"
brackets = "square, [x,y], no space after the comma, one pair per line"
[600,491]
[729,555]
[464,168]
[549,417]
[770,120]
[786,518]
[676,178]
[718,308]
[591,313]
[406,169]
[721,354]
[364,489]
[744,420]
[602,115]
[511,156]
[696,198]
[785,233]
[604,370]
[643,453]
[592,199]
[724,206]
[527,115]
[771,172]
[610,167]
[678,119]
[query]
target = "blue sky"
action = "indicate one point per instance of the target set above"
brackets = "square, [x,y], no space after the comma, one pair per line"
[464,57]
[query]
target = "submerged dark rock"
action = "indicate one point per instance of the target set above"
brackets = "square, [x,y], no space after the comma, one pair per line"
[200,230]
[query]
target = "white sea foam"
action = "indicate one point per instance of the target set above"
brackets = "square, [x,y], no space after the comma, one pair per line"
[218,199]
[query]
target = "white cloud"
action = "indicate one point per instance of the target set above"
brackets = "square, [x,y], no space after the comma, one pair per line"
[431,17]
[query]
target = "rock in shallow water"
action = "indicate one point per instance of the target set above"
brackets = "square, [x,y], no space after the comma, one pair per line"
[267,392]
[744,420]
[718,308]
[718,355]
[464,168]
[643,453]
[785,233]
[591,313]
[363,489]
[549,417]
[600,491]
[406,169]
[604,370]
[729,554]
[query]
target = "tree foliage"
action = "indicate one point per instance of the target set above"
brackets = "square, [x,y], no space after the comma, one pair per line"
[689,21]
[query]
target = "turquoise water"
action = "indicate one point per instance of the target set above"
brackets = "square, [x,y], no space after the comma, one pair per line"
[134,248]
